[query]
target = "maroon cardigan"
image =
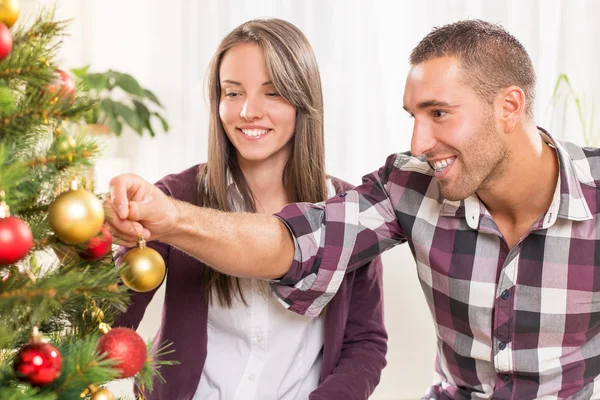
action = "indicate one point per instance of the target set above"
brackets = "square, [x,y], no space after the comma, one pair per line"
[355,338]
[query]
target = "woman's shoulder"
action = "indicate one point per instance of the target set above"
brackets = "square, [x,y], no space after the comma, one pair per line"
[181,185]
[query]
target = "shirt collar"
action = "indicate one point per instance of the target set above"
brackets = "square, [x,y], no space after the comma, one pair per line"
[568,201]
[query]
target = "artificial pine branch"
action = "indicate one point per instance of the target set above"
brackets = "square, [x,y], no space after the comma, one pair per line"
[57,294]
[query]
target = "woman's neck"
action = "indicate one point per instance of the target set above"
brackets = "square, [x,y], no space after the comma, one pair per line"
[265,181]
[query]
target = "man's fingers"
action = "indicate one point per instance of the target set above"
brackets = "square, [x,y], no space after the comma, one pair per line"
[139,210]
[122,188]
[124,243]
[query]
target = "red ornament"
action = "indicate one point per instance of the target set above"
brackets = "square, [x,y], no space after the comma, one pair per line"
[6,41]
[97,247]
[127,346]
[38,363]
[63,87]
[15,240]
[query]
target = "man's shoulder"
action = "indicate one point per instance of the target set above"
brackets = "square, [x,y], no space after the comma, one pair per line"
[586,161]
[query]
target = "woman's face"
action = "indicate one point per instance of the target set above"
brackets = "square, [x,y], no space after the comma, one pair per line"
[258,121]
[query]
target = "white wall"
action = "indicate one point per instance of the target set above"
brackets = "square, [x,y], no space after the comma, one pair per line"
[362,48]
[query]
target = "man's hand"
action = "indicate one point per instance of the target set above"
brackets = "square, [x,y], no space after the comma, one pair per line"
[239,244]
[137,208]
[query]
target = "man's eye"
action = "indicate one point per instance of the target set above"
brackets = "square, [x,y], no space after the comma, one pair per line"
[438,113]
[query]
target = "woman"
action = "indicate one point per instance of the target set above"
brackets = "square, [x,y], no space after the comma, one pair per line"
[233,338]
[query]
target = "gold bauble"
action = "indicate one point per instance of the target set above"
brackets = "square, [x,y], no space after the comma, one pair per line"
[76,216]
[145,268]
[65,143]
[102,394]
[9,11]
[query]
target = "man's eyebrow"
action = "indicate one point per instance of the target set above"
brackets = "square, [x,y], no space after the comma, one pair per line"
[435,103]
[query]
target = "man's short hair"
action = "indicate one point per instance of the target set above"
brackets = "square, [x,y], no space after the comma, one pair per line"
[492,59]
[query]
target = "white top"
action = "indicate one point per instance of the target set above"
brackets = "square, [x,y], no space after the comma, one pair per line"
[260,351]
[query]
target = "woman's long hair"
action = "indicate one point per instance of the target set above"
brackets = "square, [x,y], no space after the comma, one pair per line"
[293,70]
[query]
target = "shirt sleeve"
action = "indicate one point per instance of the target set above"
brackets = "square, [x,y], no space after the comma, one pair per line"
[335,237]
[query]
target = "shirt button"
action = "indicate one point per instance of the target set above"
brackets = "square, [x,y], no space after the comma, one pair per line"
[504,295]
[506,377]
[343,194]
[251,377]
[259,339]
[502,345]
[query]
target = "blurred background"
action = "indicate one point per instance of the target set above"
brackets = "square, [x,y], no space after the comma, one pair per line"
[362,48]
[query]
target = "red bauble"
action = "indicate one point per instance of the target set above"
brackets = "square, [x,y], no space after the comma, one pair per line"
[126,346]
[97,247]
[63,87]
[38,363]
[15,240]
[6,41]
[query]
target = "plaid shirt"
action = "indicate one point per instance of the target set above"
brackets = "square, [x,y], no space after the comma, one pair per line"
[516,323]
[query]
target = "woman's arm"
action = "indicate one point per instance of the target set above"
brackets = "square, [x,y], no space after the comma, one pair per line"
[365,341]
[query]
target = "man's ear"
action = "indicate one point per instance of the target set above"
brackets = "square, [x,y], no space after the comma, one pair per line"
[511,104]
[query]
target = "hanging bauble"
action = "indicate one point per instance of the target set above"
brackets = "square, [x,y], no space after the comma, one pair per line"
[97,247]
[6,41]
[76,215]
[125,346]
[64,144]
[62,87]
[102,394]
[145,268]
[15,237]
[9,11]
[37,363]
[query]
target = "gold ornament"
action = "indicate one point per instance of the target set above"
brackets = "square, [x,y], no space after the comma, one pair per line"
[145,268]
[9,11]
[98,394]
[65,144]
[76,216]
[103,394]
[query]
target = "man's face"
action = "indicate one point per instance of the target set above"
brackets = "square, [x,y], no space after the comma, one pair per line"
[454,128]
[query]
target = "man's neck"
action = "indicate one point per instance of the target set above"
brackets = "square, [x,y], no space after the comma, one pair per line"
[525,191]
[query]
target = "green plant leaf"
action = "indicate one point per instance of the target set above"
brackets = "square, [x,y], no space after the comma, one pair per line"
[107,106]
[115,125]
[148,126]
[95,81]
[164,123]
[152,97]
[128,114]
[80,72]
[142,110]
[128,84]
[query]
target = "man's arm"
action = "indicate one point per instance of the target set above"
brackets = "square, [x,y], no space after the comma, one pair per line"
[240,244]
[327,239]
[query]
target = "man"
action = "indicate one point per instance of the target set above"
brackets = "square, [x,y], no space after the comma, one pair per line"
[501,219]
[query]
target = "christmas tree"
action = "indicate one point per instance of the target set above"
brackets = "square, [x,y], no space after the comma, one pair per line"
[59,287]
